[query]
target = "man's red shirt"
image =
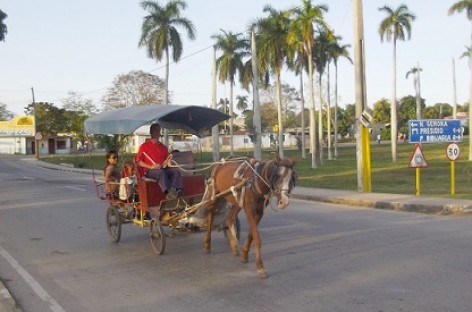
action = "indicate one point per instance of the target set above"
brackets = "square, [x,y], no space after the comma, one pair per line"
[151,153]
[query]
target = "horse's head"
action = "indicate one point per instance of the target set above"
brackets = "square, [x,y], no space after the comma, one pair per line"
[282,179]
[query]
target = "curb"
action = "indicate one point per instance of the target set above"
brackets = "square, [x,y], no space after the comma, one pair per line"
[7,303]
[445,209]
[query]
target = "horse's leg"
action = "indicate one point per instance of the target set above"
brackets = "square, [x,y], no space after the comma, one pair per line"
[233,240]
[207,242]
[253,218]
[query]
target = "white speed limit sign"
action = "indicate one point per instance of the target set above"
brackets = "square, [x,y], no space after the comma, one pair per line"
[453,151]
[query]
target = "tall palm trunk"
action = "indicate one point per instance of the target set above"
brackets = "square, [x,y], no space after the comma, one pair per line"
[166,94]
[231,119]
[302,102]
[320,120]
[279,117]
[335,110]
[328,118]
[393,111]
[312,113]
[470,99]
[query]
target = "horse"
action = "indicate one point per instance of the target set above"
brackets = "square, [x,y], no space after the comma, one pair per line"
[249,185]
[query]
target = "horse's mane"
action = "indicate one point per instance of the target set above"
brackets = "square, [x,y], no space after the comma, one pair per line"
[286,162]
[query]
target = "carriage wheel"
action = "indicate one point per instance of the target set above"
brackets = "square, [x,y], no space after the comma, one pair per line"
[158,240]
[237,225]
[114,223]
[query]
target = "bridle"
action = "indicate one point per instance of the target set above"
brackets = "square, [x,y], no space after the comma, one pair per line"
[269,176]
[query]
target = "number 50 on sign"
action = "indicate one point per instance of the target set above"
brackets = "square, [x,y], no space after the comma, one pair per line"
[453,151]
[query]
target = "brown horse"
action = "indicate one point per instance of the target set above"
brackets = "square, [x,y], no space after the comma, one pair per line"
[249,185]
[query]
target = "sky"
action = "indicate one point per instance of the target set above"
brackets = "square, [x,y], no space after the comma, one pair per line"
[58,46]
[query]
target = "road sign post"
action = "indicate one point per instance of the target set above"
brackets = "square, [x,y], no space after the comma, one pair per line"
[417,161]
[453,152]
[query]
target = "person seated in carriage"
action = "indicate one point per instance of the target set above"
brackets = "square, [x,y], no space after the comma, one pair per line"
[111,175]
[153,157]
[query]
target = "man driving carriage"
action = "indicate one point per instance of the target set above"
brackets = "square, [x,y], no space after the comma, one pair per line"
[152,157]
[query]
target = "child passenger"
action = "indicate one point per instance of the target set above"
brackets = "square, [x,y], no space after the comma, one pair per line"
[111,175]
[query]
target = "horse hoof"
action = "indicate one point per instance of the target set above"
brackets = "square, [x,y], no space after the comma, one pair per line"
[236,253]
[243,260]
[261,273]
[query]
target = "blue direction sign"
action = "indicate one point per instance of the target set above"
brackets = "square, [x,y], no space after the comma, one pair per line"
[435,130]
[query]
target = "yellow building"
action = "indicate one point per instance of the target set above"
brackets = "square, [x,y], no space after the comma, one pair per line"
[17,136]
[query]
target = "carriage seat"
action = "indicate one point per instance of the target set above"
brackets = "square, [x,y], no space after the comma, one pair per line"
[193,185]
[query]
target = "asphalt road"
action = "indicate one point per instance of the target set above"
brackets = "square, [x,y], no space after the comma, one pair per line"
[55,255]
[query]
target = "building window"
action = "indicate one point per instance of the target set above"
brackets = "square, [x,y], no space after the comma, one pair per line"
[61,145]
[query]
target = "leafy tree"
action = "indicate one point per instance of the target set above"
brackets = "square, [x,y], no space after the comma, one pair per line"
[160,33]
[50,120]
[395,27]
[406,111]
[3,26]
[77,109]
[344,122]
[5,114]
[269,116]
[381,111]
[134,88]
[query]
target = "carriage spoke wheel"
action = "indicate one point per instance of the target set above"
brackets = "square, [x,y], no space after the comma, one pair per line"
[237,226]
[114,223]
[158,240]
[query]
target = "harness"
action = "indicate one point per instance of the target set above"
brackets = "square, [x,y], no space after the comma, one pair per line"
[264,176]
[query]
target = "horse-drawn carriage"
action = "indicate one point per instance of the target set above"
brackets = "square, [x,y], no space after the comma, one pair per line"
[206,202]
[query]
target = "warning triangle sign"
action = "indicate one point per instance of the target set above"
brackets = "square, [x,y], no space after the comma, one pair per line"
[417,159]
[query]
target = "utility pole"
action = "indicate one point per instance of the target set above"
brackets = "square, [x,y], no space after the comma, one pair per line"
[36,141]
[362,140]
[214,131]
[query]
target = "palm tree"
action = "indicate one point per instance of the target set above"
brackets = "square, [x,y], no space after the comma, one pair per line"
[321,59]
[223,105]
[272,52]
[3,27]
[466,5]
[160,34]
[234,50]
[337,52]
[305,17]
[416,83]
[241,102]
[296,61]
[393,27]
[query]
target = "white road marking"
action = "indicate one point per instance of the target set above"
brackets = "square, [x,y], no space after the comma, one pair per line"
[53,305]
[75,188]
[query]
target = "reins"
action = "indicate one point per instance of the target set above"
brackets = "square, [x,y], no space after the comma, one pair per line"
[263,177]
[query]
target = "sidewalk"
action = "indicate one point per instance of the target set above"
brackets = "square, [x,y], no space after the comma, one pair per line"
[398,202]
